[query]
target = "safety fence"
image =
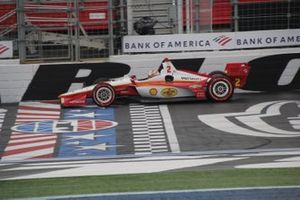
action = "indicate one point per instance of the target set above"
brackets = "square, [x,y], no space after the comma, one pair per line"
[74,30]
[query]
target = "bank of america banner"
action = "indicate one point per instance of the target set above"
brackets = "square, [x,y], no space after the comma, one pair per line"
[211,41]
[6,49]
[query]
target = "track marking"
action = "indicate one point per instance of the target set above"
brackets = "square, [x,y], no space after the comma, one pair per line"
[174,145]
[149,134]
[2,116]
[252,120]
[119,166]
[22,145]
[171,193]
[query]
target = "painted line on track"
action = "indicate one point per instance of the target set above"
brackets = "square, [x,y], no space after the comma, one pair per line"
[174,145]
[149,135]
[2,116]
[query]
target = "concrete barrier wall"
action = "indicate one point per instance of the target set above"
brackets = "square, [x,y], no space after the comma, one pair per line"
[272,69]
[14,79]
[214,60]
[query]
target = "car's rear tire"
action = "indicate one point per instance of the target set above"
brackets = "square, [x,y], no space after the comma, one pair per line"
[104,94]
[220,88]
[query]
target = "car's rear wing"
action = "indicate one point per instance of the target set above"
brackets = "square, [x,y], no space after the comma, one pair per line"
[238,72]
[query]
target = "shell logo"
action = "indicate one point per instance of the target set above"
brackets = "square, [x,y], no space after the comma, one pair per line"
[153,91]
[169,92]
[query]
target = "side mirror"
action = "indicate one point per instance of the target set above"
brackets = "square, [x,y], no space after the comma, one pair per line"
[169,78]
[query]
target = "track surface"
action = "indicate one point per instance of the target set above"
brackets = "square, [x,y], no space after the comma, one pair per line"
[287,193]
[250,131]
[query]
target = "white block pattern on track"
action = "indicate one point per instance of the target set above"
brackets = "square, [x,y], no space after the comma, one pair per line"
[2,116]
[149,134]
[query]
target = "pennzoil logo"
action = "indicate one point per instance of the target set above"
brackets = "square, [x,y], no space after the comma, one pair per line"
[169,92]
[153,91]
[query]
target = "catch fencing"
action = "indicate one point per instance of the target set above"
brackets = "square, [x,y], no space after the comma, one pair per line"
[74,30]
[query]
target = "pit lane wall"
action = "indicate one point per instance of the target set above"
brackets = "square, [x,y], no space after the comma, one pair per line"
[272,69]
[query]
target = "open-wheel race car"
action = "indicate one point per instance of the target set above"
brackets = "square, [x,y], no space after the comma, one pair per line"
[164,84]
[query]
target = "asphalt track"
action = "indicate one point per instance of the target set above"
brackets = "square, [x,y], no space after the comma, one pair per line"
[275,193]
[253,130]
[249,123]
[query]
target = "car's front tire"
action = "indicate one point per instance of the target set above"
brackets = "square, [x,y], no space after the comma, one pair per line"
[104,94]
[220,88]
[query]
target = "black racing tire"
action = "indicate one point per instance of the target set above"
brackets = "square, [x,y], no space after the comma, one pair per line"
[220,88]
[104,94]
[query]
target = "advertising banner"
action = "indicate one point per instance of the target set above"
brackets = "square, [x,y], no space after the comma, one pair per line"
[211,41]
[6,49]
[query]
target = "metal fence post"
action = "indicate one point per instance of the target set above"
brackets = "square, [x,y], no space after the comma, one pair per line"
[289,14]
[179,17]
[129,17]
[110,28]
[235,15]
[76,31]
[21,30]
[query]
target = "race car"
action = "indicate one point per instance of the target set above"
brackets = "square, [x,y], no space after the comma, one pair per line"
[164,84]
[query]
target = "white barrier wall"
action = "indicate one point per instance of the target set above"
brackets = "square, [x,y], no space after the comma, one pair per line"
[19,81]
[216,60]
[14,79]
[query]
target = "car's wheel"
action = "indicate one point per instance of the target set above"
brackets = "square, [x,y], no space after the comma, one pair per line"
[220,88]
[103,94]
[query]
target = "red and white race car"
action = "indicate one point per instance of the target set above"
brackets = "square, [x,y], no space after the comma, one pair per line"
[165,84]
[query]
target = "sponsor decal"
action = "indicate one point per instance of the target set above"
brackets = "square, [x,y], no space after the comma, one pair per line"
[65,76]
[275,72]
[153,91]
[190,78]
[255,121]
[6,49]
[222,40]
[3,48]
[64,126]
[211,41]
[169,92]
